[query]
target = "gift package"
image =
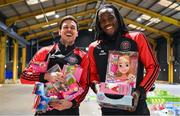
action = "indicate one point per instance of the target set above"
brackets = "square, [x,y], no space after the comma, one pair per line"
[47,92]
[120,81]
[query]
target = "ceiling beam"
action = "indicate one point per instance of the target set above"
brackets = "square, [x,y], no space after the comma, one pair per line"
[127,21]
[8,2]
[49,9]
[164,18]
[39,25]
[29,37]
[45,38]
[13,34]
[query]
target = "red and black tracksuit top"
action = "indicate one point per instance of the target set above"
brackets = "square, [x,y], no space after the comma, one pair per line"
[132,41]
[29,76]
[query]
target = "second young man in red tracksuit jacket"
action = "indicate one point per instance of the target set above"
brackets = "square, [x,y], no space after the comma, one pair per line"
[112,34]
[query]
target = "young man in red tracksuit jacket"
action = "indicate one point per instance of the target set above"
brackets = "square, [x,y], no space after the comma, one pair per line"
[65,52]
[112,34]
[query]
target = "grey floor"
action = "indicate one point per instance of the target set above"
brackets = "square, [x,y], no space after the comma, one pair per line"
[17,99]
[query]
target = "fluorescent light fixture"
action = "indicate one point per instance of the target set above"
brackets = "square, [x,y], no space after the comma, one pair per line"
[175,70]
[142,29]
[132,26]
[87,48]
[47,14]
[39,16]
[89,29]
[173,6]
[45,26]
[145,17]
[155,20]
[56,16]
[177,8]
[50,13]
[164,3]
[52,24]
[139,19]
[152,21]
[32,2]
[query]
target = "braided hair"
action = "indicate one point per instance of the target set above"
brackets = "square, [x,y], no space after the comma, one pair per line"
[121,25]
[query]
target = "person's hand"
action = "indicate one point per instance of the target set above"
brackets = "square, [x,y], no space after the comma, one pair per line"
[55,76]
[61,104]
[135,95]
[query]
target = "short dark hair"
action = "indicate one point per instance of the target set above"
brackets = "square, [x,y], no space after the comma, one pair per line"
[121,25]
[68,17]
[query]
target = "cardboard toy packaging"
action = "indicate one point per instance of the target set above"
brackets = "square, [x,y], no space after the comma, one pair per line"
[39,67]
[47,92]
[120,81]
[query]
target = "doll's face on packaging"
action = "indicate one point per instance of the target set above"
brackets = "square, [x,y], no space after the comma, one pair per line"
[108,21]
[123,65]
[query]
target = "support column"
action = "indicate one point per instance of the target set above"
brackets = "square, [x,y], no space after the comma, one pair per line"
[23,58]
[3,57]
[170,59]
[15,61]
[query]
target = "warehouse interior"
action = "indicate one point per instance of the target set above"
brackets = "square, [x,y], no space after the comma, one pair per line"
[28,25]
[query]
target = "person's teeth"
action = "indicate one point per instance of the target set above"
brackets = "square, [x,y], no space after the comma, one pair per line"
[109,27]
[68,34]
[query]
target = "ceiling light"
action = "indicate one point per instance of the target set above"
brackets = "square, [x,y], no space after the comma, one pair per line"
[52,24]
[164,3]
[45,26]
[47,14]
[138,19]
[32,2]
[39,16]
[155,20]
[50,13]
[145,17]
[89,29]
[132,26]
[56,16]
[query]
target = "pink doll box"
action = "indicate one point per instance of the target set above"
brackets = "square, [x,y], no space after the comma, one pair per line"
[115,88]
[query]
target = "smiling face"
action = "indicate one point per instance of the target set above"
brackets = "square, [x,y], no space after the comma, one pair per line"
[108,21]
[68,32]
[124,64]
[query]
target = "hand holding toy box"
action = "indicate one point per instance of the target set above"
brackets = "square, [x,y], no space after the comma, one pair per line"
[120,80]
[46,92]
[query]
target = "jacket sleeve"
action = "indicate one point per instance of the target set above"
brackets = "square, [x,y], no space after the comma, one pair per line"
[84,80]
[149,61]
[29,75]
[94,77]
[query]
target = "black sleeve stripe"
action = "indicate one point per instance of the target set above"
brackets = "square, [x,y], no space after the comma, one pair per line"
[155,72]
[152,80]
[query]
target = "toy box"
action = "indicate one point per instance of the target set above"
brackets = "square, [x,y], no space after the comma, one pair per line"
[47,92]
[120,80]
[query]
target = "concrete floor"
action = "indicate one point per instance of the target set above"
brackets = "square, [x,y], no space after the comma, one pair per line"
[17,99]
